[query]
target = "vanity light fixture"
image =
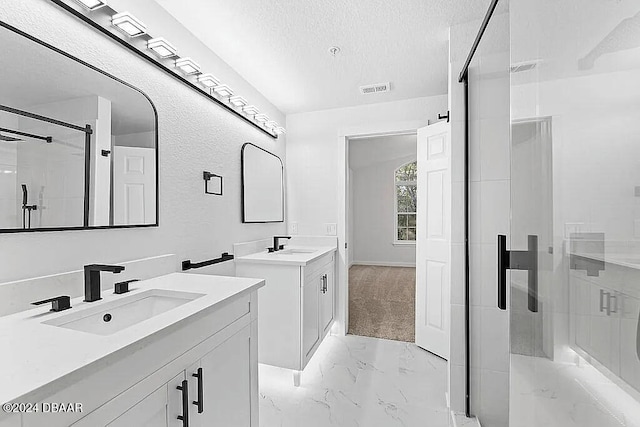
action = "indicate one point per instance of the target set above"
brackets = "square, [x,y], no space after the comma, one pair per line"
[271,124]
[251,110]
[122,25]
[280,130]
[238,101]
[162,48]
[92,4]
[208,80]
[187,66]
[223,90]
[128,24]
[261,118]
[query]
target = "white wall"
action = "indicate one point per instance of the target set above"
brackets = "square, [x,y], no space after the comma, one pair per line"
[195,135]
[316,156]
[374,162]
[596,150]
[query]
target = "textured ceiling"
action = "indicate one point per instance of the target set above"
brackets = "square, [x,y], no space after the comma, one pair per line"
[281,47]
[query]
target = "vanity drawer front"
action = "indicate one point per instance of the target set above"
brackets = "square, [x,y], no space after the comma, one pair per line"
[10,420]
[318,265]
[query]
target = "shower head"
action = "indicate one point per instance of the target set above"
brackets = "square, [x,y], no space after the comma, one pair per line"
[9,138]
[25,195]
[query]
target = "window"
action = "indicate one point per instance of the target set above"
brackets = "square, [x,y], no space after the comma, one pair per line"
[406,187]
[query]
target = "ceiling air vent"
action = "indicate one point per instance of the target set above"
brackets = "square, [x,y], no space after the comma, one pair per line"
[375,88]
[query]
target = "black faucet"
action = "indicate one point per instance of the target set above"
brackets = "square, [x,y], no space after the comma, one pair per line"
[92,279]
[276,243]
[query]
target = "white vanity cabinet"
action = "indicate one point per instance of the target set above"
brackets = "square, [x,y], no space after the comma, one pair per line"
[199,371]
[297,307]
[605,313]
[218,392]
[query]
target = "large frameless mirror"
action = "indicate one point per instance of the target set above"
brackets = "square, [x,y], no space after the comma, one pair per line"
[78,147]
[262,185]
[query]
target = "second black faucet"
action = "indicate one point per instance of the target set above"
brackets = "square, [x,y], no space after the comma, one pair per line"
[276,243]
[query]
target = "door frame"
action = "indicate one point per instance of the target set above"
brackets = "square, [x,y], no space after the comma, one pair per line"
[344,135]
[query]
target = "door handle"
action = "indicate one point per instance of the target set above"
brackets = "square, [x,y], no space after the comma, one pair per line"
[200,402]
[185,403]
[518,260]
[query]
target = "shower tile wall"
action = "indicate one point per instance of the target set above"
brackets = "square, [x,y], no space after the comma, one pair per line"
[489,120]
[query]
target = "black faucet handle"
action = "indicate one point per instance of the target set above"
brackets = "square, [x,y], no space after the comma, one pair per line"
[123,287]
[60,303]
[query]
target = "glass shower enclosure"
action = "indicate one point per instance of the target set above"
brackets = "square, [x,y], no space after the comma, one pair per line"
[574,300]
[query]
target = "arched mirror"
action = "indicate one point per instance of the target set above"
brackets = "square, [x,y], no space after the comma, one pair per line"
[78,147]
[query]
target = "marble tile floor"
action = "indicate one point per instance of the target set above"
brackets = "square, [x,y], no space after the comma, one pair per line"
[355,381]
[550,394]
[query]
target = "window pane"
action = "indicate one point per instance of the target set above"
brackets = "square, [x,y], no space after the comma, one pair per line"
[402,234]
[407,172]
[404,204]
[402,220]
[411,234]
[407,198]
[411,220]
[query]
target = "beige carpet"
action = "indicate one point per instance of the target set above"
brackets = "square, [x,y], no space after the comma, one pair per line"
[382,302]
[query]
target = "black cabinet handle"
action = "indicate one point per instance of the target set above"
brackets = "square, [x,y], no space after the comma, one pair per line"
[185,403]
[200,402]
[518,260]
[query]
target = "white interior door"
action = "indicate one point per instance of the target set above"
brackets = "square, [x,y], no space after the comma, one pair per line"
[134,185]
[433,239]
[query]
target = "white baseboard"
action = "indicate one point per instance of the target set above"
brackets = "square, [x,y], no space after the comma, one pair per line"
[460,420]
[385,264]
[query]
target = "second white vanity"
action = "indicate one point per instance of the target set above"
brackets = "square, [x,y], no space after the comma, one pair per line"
[297,304]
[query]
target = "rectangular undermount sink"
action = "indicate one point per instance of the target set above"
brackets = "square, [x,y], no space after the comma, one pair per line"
[295,251]
[110,317]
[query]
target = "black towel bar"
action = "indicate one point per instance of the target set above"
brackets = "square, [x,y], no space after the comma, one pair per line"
[188,265]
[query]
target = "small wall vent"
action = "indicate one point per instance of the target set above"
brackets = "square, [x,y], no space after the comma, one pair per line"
[375,88]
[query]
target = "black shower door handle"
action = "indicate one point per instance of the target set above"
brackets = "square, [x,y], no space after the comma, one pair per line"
[518,260]
[503,266]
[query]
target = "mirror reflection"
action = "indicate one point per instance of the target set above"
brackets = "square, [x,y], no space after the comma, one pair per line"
[77,146]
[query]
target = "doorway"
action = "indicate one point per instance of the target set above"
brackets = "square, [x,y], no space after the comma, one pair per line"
[382,216]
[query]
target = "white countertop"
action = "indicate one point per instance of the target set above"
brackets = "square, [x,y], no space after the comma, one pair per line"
[39,359]
[621,259]
[283,258]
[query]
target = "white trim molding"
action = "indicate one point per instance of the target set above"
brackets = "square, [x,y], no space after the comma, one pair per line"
[385,264]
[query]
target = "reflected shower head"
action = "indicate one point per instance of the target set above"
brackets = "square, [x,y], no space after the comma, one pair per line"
[25,195]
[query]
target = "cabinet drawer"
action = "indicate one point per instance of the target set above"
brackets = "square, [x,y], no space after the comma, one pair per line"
[318,265]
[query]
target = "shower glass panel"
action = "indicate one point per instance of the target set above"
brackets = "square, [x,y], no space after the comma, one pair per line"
[575,185]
